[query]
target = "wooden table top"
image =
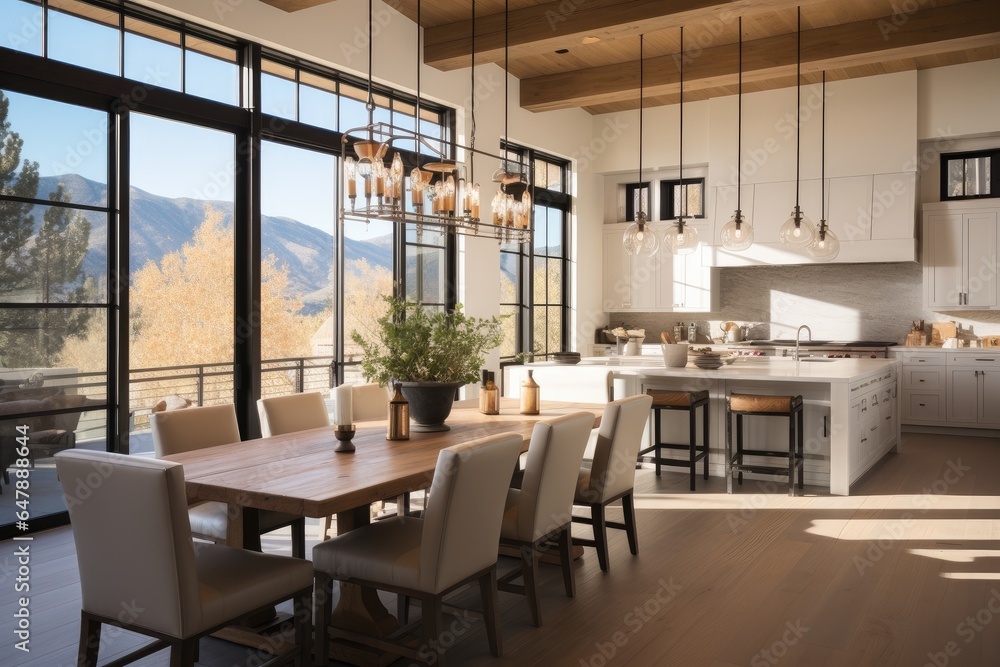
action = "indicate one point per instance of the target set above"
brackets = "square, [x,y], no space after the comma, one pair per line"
[299,473]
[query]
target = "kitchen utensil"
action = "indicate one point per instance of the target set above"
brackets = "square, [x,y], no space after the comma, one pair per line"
[667,338]
[734,335]
[675,355]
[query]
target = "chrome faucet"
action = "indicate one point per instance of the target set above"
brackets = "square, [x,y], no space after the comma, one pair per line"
[798,334]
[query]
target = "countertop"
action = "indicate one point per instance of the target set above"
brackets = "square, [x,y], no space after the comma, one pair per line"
[754,368]
[933,349]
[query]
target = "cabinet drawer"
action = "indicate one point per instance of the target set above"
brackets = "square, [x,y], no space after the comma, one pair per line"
[924,407]
[980,361]
[924,379]
[923,359]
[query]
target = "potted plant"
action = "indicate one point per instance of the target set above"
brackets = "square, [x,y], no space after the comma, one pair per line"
[430,353]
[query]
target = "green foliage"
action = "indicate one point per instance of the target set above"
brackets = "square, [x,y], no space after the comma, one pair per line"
[414,344]
[16,221]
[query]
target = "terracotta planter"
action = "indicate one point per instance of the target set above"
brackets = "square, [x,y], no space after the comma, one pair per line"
[430,404]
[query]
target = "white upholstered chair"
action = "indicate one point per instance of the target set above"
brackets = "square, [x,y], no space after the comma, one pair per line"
[292,412]
[612,473]
[178,431]
[370,402]
[452,544]
[135,508]
[541,508]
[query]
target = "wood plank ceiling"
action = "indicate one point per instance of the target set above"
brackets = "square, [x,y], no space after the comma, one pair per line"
[584,53]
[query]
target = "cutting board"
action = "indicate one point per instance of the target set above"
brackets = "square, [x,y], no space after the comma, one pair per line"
[940,331]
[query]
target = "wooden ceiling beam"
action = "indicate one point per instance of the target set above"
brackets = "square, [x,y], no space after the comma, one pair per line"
[548,26]
[925,32]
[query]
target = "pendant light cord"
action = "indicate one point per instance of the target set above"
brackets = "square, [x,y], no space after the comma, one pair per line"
[822,165]
[640,121]
[370,104]
[506,74]
[680,170]
[739,125]
[416,116]
[798,109]
[472,91]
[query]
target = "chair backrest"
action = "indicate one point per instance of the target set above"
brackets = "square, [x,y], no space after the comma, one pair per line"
[618,443]
[461,530]
[582,385]
[369,402]
[554,457]
[292,412]
[187,430]
[133,538]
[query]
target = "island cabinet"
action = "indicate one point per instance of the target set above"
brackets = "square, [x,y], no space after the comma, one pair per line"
[659,283]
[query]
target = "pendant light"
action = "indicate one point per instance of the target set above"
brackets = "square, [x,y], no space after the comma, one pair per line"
[638,239]
[826,245]
[737,234]
[798,230]
[681,239]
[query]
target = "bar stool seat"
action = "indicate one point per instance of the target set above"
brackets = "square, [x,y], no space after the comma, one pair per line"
[742,405]
[664,399]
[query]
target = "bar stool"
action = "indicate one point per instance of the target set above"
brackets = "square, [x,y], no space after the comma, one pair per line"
[777,406]
[680,400]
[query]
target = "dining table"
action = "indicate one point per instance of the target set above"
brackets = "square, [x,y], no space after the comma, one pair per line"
[301,473]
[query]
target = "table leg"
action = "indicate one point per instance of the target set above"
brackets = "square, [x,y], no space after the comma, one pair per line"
[359,609]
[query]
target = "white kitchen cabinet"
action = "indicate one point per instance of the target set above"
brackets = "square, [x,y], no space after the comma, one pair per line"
[974,389]
[892,206]
[660,283]
[923,387]
[960,259]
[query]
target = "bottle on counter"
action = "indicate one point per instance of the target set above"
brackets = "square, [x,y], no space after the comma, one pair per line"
[680,333]
[489,395]
[692,334]
[529,396]
[399,416]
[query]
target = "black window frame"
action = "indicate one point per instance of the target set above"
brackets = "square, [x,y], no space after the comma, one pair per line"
[667,196]
[630,191]
[993,154]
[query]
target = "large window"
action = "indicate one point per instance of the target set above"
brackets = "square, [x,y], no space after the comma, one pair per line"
[53,295]
[534,277]
[687,197]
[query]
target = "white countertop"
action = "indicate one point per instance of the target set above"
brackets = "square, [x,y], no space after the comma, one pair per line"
[933,349]
[753,368]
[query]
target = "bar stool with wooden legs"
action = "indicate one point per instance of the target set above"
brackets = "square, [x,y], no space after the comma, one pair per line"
[742,405]
[690,401]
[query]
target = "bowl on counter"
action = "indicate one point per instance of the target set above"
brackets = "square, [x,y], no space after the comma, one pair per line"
[675,355]
[567,358]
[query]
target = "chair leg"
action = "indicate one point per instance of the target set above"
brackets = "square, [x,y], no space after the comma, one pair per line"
[182,653]
[692,452]
[299,538]
[430,609]
[327,524]
[739,447]
[656,443]
[802,456]
[791,454]
[729,451]
[704,439]
[323,609]
[90,641]
[600,535]
[303,628]
[628,510]
[402,609]
[566,558]
[491,610]
[529,571]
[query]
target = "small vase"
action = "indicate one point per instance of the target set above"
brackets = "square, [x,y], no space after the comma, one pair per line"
[399,416]
[529,396]
[489,396]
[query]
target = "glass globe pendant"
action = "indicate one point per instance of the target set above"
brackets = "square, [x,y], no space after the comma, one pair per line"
[639,239]
[826,245]
[737,234]
[798,231]
[681,239]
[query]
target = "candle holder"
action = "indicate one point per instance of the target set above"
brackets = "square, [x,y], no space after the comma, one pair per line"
[344,433]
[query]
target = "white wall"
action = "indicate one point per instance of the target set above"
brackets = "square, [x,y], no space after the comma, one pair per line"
[334,34]
[960,100]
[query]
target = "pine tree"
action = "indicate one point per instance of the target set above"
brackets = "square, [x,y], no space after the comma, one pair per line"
[17,179]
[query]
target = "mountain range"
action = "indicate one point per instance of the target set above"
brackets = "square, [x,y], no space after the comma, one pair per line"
[161,225]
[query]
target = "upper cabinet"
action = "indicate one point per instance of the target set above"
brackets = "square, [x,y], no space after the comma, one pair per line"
[961,245]
[660,283]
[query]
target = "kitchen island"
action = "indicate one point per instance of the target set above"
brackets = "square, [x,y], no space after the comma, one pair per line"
[851,416]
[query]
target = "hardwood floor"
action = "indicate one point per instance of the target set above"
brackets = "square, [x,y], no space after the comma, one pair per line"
[905,572]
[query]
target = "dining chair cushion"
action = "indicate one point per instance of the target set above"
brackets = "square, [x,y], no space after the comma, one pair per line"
[458,534]
[543,501]
[369,402]
[178,431]
[618,441]
[292,412]
[137,508]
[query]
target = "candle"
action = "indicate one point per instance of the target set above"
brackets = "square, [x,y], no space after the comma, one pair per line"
[344,411]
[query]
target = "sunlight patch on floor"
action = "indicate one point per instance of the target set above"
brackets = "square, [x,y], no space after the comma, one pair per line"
[956,555]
